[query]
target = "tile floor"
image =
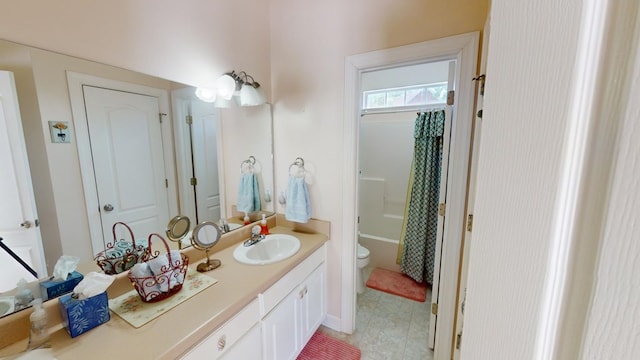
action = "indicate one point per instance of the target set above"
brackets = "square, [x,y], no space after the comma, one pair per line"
[389,327]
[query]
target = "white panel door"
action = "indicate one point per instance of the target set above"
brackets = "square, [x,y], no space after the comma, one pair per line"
[18,227]
[280,332]
[313,307]
[205,160]
[126,146]
[444,171]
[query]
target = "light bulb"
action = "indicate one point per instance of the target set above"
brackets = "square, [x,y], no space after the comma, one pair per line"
[251,96]
[226,86]
[206,94]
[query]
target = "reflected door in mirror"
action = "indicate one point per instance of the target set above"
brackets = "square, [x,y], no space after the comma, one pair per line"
[205,161]
[127,150]
[17,205]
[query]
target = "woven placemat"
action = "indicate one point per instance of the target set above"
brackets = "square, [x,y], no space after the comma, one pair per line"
[130,307]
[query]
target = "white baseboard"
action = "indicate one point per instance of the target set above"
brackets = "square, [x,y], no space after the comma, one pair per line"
[333,322]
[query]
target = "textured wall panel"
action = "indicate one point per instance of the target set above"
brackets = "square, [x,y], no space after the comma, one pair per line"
[613,330]
[529,71]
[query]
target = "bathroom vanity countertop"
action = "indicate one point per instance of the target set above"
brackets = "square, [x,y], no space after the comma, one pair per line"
[173,333]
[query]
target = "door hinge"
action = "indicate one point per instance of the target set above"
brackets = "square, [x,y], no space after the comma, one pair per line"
[458,341]
[166,183]
[188,119]
[450,97]
[160,115]
[469,222]
[442,209]
[434,308]
[194,181]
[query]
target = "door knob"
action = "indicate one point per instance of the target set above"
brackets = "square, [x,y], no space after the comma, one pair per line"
[26,224]
[108,208]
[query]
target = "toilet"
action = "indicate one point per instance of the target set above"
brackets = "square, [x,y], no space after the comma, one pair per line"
[362,261]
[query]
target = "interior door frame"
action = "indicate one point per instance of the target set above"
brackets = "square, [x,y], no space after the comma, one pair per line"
[10,111]
[466,242]
[75,82]
[463,48]
[181,100]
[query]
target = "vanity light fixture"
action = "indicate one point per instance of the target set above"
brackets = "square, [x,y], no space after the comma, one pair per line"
[242,85]
[206,94]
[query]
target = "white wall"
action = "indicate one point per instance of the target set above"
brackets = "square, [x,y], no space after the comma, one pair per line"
[418,74]
[151,37]
[190,42]
[612,325]
[309,43]
[296,49]
[545,279]
[529,70]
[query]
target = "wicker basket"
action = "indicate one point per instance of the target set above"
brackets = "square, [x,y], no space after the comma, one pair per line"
[165,282]
[121,255]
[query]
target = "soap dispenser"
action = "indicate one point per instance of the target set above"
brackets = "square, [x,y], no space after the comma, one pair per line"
[247,220]
[38,335]
[264,229]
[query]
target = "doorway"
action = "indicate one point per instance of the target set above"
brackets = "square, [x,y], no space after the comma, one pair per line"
[197,132]
[123,134]
[19,228]
[463,49]
[386,150]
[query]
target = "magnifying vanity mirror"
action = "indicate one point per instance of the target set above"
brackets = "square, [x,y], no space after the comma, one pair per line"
[200,151]
[204,237]
[178,228]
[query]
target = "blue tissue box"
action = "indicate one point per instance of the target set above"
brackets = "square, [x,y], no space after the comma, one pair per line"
[80,316]
[51,289]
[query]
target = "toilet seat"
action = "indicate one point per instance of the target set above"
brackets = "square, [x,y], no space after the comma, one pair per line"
[363,252]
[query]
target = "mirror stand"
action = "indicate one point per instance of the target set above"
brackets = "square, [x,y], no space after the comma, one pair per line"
[204,237]
[209,264]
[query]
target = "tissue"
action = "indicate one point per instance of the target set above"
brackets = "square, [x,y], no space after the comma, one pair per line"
[93,284]
[65,265]
[88,306]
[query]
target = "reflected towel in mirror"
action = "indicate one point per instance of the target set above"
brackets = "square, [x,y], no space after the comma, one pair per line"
[248,194]
[298,208]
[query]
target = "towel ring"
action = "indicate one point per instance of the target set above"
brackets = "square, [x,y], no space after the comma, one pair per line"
[299,162]
[250,162]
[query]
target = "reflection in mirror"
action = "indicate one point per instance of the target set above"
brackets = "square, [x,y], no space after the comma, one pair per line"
[246,135]
[178,228]
[59,181]
[210,172]
[204,237]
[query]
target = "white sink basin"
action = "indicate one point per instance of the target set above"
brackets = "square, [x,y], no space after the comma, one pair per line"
[274,248]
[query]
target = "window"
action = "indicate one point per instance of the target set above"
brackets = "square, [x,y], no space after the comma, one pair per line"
[408,96]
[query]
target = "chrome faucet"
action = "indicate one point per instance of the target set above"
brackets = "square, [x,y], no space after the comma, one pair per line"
[255,238]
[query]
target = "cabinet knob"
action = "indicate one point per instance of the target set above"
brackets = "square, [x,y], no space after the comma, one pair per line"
[302,293]
[222,341]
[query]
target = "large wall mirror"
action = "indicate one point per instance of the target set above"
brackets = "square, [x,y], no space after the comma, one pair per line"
[200,154]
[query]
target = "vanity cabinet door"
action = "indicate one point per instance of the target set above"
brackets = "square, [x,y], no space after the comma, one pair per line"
[312,299]
[280,330]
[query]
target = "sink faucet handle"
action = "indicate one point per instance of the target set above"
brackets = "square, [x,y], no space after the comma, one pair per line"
[255,230]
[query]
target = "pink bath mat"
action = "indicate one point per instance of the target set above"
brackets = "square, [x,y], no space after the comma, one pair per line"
[324,347]
[397,284]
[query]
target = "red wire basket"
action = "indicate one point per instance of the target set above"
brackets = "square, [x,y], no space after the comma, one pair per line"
[165,282]
[116,259]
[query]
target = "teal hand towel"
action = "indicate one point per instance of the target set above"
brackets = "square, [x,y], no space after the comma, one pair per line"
[248,194]
[298,207]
